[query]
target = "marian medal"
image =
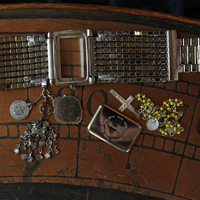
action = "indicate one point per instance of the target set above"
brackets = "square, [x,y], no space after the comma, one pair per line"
[19,109]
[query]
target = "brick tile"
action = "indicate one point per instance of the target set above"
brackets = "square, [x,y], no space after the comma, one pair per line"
[74,130]
[64,131]
[85,133]
[194,89]
[179,147]
[197,154]
[13,130]
[171,85]
[3,131]
[139,140]
[189,151]
[169,145]
[182,87]
[160,84]
[22,128]
[188,180]
[148,141]
[159,143]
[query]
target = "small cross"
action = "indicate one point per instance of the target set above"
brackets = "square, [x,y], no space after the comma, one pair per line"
[125,103]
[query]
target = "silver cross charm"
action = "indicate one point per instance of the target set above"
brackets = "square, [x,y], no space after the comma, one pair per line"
[125,103]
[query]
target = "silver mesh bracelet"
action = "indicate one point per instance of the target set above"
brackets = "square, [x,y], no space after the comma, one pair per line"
[131,56]
[23,61]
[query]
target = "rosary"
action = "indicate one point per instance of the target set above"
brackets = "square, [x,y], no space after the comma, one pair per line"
[164,118]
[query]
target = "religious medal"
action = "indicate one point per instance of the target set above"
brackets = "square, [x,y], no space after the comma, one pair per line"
[67,110]
[19,109]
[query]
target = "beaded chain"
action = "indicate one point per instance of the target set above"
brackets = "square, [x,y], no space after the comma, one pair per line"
[164,118]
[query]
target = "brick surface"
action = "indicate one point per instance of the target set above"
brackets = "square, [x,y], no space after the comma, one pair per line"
[166,169]
[169,145]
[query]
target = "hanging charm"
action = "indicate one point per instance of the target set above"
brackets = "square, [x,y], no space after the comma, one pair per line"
[164,118]
[67,110]
[38,135]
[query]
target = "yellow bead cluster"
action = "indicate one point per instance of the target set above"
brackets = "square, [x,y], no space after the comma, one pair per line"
[167,115]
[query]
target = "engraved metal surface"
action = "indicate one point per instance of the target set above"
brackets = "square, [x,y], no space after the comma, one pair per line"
[114,128]
[67,110]
[19,110]
[152,124]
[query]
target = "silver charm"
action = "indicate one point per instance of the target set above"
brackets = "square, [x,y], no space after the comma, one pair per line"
[125,103]
[37,135]
[152,124]
[19,109]
[67,110]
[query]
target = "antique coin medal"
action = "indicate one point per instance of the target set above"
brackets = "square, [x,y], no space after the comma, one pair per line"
[163,118]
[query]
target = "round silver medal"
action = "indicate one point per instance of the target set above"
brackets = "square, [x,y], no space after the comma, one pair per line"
[152,124]
[19,109]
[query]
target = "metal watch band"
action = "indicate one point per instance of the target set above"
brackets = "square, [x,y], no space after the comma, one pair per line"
[111,57]
[23,61]
[189,51]
[131,56]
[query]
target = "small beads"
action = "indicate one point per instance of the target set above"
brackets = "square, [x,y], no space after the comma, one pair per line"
[167,115]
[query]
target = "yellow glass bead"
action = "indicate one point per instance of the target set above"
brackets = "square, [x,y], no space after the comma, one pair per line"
[145,115]
[165,133]
[152,104]
[139,98]
[175,128]
[176,100]
[172,114]
[178,125]
[168,116]
[149,116]
[148,104]
[148,99]
[138,95]
[167,125]
[164,102]
[170,100]
[159,115]
[178,132]
[175,116]
[167,105]
[143,96]
[165,119]
[143,101]
[181,102]
[168,108]
[171,103]
[148,110]
[141,106]
[178,104]
[174,110]
[169,122]
[161,108]
[171,126]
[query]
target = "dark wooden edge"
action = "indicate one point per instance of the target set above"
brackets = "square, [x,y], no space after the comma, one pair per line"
[99,8]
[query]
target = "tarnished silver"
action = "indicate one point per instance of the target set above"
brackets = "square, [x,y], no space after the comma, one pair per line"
[19,109]
[67,110]
[22,60]
[111,57]
[114,128]
[152,124]
[37,135]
